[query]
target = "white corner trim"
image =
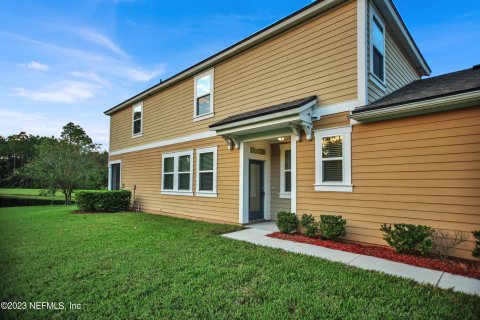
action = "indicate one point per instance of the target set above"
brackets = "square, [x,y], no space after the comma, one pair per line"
[362,87]
[321,111]
[162,143]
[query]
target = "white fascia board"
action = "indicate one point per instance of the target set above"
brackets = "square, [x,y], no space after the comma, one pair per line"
[162,143]
[321,111]
[262,36]
[432,105]
[258,121]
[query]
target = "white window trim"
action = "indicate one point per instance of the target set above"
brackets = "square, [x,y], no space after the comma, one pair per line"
[346,184]
[175,156]
[196,117]
[284,194]
[377,81]
[212,193]
[135,135]
[110,172]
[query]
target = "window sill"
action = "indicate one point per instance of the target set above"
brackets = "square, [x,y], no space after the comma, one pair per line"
[334,187]
[206,194]
[379,83]
[204,116]
[137,135]
[177,193]
[285,195]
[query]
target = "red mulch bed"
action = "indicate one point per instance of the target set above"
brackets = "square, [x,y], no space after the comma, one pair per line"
[464,267]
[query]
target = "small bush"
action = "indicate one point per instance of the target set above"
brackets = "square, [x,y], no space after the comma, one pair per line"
[476,250]
[103,201]
[445,241]
[406,238]
[308,224]
[287,222]
[332,227]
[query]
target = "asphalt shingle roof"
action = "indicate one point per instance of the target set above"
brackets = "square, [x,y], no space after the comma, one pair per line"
[264,111]
[429,88]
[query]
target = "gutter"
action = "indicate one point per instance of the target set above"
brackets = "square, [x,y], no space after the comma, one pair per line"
[462,100]
[263,35]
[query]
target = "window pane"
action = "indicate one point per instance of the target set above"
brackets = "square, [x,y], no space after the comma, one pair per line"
[183,163]
[203,105]
[206,161]
[288,157]
[184,181]
[168,165]
[203,85]
[377,36]
[377,61]
[168,181]
[288,181]
[137,115]
[206,181]
[137,126]
[332,147]
[332,170]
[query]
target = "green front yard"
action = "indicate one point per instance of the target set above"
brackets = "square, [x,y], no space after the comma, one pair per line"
[28,194]
[131,265]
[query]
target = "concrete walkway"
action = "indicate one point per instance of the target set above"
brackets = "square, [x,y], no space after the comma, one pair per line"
[256,234]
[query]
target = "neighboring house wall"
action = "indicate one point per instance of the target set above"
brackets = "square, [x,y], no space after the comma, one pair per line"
[421,170]
[144,169]
[399,71]
[277,204]
[315,58]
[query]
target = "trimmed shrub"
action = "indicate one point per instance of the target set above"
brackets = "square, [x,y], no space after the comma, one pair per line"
[103,201]
[308,224]
[476,250]
[287,222]
[332,227]
[406,238]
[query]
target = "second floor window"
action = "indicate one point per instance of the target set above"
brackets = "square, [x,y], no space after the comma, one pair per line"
[377,51]
[137,119]
[204,94]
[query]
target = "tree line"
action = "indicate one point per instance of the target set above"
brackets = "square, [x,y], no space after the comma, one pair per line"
[65,164]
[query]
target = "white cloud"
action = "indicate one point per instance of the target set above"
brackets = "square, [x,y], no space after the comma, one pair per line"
[37,66]
[66,92]
[90,76]
[139,74]
[98,38]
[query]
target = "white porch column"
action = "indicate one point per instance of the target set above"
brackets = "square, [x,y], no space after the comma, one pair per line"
[293,193]
[243,184]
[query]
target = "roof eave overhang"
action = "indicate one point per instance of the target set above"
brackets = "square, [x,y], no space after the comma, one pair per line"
[397,26]
[269,32]
[457,101]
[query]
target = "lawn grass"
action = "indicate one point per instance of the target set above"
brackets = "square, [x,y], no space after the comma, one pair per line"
[141,266]
[30,194]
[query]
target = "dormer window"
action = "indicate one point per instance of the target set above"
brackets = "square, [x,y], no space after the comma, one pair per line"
[377,47]
[137,122]
[204,95]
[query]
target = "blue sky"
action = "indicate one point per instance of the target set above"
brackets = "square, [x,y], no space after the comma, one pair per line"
[64,61]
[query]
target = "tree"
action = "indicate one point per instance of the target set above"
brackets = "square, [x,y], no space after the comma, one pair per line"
[74,134]
[65,166]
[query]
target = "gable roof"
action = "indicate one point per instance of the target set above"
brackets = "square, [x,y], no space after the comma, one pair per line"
[281,26]
[264,111]
[430,88]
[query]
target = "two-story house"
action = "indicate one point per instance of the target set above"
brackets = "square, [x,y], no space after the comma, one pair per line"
[322,112]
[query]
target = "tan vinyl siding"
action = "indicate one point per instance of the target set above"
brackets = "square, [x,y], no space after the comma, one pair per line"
[144,169]
[399,71]
[420,170]
[315,58]
[277,204]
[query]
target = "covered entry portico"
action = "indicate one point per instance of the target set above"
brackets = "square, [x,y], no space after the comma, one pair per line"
[266,139]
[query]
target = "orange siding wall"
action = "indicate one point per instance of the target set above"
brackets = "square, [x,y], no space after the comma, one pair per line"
[144,169]
[420,170]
